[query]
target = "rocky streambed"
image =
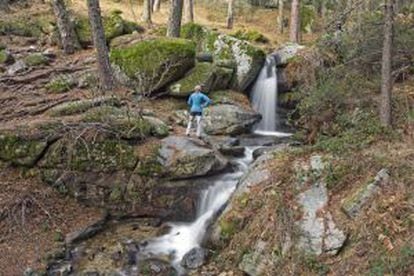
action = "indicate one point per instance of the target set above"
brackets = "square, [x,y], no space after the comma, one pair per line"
[156,246]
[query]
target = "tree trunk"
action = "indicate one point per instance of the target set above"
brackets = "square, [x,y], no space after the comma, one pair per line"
[66,30]
[280,17]
[294,22]
[4,5]
[386,80]
[188,11]
[156,5]
[174,20]
[230,14]
[99,41]
[146,12]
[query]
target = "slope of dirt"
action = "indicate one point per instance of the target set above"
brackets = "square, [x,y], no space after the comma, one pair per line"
[34,218]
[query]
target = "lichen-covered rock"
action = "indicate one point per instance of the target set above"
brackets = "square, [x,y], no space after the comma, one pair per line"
[353,205]
[96,154]
[183,157]
[80,106]
[16,68]
[211,76]
[248,59]
[287,52]
[228,119]
[114,26]
[253,263]
[20,150]
[319,234]
[149,65]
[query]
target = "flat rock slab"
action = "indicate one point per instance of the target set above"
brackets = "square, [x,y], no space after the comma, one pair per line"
[183,157]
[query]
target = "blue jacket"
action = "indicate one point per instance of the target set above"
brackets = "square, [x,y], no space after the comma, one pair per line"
[198,101]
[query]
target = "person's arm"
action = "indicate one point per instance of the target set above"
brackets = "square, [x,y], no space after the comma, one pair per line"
[190,100]
[207,101]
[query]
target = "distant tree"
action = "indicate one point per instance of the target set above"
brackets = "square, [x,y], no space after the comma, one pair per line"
[146,11]
[188,11]
[386,78]
[67,32]
[4,5]
[280,17]
[174,20]
[99,41]
[156,5]
[230,14]
[295,21]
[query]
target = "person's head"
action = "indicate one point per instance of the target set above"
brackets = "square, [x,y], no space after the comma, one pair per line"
[197,88]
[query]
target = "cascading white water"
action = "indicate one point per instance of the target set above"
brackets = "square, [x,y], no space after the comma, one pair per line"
[183,237]
[264,96]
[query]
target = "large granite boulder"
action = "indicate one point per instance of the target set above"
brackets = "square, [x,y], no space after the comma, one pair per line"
[213,78]
[227,119]
[149,65]
[246,58]
[183,157]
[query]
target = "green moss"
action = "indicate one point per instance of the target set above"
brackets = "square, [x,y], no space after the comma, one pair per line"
[60,84]
[116,193]
[149,55]
[36,60]
[151,64]
[127,124]
[80,106]
[114,26]
[250,35]
[20,151]
[107,155]
[228,228]
[199,75]
[3,56]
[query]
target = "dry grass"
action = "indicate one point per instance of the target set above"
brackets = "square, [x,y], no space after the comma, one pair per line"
[35,219]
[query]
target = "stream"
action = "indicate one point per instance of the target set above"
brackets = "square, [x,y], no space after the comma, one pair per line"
[183,237]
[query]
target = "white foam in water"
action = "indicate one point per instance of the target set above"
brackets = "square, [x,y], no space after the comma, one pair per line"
[264,96]
[185,236]
[273,133]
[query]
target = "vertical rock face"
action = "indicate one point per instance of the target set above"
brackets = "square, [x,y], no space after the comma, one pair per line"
[319,234]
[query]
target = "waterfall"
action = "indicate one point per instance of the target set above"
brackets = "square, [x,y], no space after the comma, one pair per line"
[183,237]
[264,96]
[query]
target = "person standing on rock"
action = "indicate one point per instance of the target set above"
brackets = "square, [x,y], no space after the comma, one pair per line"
[197,102]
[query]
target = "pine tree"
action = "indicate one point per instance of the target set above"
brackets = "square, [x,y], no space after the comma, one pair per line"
[67,32]
[174,20]
[104,66]
[188,11]
[295,22]
[146,11]
[386,78]
[230,14]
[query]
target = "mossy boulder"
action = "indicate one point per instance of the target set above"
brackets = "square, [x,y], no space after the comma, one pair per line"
[128,124]
[36,59]
[80,106]
[20,150]
[247,58]
[250,35]
[114,26]
[211,76]
[97,153]
[26,27]
[149,65]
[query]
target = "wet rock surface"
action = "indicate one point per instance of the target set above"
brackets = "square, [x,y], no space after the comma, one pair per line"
[187,157]
[195,258]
